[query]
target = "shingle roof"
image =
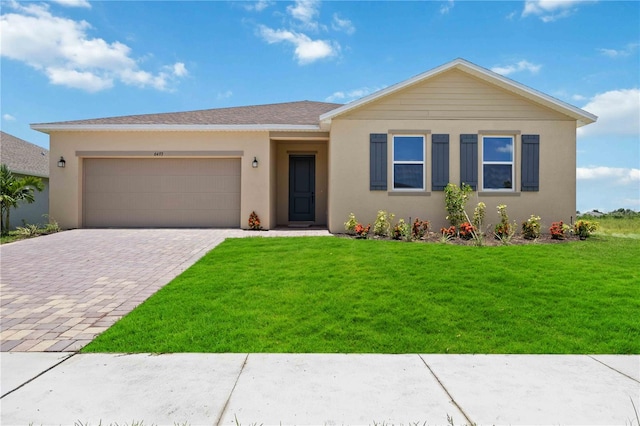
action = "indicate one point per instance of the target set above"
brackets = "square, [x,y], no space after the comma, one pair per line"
[289,113]
[23,157]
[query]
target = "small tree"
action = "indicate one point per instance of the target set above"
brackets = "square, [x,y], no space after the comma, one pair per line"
[455,199]
[15,190]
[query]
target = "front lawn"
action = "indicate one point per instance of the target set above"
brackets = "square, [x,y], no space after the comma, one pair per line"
[343,295]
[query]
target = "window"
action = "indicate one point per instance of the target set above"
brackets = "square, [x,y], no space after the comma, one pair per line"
[497,162]
[408,162]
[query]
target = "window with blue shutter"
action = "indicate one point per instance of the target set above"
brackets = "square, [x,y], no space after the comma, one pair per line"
[378,162]
[497,163]
[439,162]
[469,160]
[530,166]
[408,162]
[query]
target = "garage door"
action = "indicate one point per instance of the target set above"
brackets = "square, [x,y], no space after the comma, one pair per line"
[161,192]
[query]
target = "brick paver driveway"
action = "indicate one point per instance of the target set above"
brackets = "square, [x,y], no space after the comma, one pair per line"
[60,291]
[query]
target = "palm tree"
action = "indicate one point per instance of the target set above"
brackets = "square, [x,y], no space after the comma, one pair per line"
[14,190]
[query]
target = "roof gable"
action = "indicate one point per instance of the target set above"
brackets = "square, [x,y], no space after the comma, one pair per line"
[23,157]
[582,117]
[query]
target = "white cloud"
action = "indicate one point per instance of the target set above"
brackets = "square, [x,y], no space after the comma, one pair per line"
[73,3]
[258,6]
[345,25]
[306,49]
[551,10]
[305,11]
[8,117]
[445,8]
[61,49]
[618,113]
[179,70]
[621,53]
[518,67]
[351,95]
[578,97]
[620,175]
[84,80]
[224,95]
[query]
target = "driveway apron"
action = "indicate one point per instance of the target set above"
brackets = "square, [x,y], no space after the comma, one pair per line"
[58,292]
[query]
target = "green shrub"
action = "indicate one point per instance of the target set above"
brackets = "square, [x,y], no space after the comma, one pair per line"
[350,224]
[478,215]
[28,231]
[504,231]
[531,228]
[382,225]
[402,231]
[455,198]
[584,228]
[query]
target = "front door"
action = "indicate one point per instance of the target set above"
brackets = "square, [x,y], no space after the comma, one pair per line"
[302,188]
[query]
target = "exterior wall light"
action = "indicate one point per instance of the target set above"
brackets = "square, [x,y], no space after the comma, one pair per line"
[254,163]
[61,162]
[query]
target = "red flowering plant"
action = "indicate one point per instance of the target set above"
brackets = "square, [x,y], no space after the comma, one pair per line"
[362,231]
[558,230]
[450,231]
[254,222]
[467,230]
[419,229]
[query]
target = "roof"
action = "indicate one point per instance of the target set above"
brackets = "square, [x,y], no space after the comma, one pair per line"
[23,157]
[303,115]
[582,117]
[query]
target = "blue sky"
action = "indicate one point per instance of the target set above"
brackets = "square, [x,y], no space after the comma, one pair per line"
[74,59]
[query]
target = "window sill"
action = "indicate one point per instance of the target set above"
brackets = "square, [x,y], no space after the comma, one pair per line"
[498,194]
[409,193]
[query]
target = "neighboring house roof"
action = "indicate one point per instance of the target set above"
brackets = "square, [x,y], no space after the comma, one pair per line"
[303,115]
[582,117]
[23,157]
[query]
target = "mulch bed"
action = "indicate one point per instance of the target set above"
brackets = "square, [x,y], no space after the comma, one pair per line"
[436,237]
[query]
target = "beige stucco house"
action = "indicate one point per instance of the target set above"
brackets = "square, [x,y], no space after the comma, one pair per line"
[314,163]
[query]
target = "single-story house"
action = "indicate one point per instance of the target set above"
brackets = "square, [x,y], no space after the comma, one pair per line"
[313,163]
[26,159]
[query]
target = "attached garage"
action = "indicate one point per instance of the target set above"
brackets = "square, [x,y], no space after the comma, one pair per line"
[161,192]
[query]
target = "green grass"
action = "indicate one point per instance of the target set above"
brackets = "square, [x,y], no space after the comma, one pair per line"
[335,295]
[618,226]
[10,237]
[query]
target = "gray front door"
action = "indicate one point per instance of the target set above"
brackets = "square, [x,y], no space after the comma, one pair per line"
[302,187]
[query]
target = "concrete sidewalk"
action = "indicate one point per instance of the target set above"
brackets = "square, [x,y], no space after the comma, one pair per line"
[323,389]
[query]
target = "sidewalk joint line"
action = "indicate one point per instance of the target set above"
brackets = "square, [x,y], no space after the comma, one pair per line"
[447,391]
[617,371]
[39,374]
[224,408]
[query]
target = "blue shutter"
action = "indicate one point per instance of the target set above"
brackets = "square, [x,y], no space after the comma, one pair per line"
[439,162]
[469,160]
[530,163]
[378,162]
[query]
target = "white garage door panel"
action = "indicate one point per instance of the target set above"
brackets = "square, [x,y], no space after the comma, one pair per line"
[163,192]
